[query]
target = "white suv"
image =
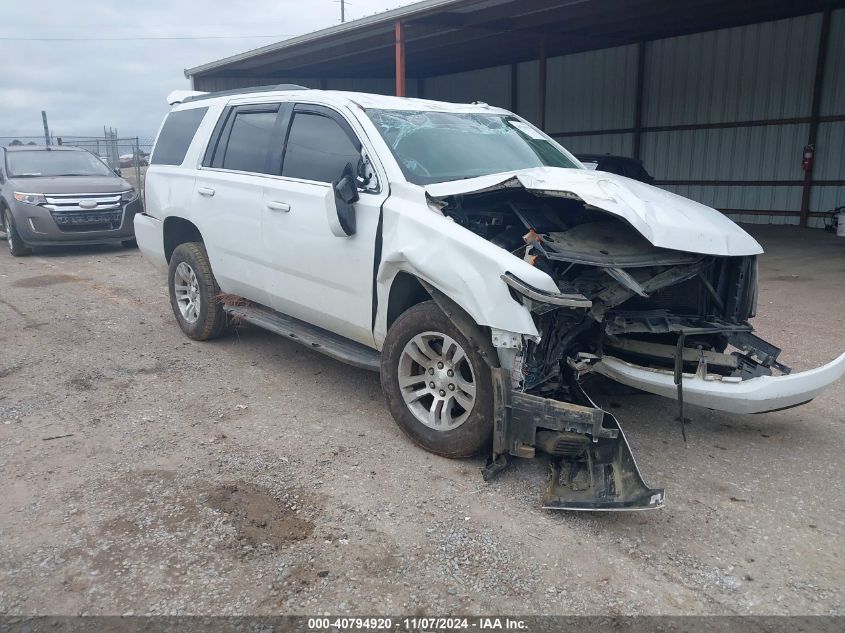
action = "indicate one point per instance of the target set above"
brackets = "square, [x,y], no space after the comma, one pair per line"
[470,259]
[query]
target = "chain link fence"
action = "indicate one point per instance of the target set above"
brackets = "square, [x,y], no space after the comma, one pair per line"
[128,155]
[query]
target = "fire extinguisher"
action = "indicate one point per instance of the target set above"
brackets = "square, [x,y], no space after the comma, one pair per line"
[807,161]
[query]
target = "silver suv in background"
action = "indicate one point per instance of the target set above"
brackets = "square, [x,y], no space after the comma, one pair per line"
[63,195]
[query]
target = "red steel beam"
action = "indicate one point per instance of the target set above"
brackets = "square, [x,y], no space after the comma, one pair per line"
[400,59]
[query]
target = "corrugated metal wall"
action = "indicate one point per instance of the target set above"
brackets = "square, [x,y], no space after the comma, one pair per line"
[751,73]
[721,80]
[761,71]
[528,98]
[491,85]
[830,155]
[591,91]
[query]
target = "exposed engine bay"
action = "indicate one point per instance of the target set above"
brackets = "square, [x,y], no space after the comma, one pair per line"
[643,298]
[658,309]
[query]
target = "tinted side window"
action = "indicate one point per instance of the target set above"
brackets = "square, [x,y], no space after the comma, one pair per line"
[176,135]
[249,142]
[317,149]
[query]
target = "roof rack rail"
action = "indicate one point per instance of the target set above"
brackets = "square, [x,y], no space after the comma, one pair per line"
[237,91]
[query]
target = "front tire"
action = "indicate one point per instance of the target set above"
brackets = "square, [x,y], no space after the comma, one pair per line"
[438,387]
[194,291]
[17,247]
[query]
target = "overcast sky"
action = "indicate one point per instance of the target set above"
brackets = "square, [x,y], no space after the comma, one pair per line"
[84,83]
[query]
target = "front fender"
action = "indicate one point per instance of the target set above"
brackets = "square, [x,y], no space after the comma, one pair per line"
[463,266]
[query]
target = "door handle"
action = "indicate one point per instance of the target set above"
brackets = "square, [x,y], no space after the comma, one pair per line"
[205,191]
[273,205]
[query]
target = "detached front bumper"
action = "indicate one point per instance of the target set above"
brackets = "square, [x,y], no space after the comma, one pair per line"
[592,466]
[726,393]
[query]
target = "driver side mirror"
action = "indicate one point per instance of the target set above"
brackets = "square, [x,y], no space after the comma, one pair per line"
[117,172]
[345,196]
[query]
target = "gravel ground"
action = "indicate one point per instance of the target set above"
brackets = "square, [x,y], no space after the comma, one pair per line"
[144,473]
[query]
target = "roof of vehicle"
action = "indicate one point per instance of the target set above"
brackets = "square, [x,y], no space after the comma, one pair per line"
[337,97]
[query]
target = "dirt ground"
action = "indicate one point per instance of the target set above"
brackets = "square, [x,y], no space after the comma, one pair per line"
[145,473]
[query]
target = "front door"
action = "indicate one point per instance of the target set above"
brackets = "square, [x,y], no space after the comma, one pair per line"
[228,196]
[314,275]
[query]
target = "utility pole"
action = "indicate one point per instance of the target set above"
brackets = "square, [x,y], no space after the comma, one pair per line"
[46,129]
[342,11]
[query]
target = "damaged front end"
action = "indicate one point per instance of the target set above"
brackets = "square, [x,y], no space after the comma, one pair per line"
[669,321]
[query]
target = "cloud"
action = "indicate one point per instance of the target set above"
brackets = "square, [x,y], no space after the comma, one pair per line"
[87,84]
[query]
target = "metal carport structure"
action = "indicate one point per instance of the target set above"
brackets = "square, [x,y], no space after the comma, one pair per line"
[718,98]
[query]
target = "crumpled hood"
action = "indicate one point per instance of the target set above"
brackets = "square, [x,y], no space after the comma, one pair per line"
[665,219]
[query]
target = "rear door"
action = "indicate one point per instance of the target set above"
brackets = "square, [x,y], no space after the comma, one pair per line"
[314,275]
[228,194]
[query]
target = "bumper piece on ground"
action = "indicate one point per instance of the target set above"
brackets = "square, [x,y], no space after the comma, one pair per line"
[592,467]
[604,477]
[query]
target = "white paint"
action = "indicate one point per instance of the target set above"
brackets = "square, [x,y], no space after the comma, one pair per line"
[755,395]
[178,96]
[526,129]
[663,218]
[505,340]
[293,261]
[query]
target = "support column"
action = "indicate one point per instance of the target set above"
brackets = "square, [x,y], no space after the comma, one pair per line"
[818,85]
[400,59]
[46,129]
[514,87]
[541,86]
[638,103]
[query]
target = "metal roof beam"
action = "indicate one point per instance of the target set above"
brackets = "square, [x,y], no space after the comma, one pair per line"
[440,19]
[458,31]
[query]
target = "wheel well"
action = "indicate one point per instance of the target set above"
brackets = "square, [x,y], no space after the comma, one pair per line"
[405,292]
[178,231]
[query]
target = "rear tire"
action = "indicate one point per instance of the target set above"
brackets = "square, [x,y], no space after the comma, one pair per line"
[17,247]
[129,243]
[438,387]
[194,291]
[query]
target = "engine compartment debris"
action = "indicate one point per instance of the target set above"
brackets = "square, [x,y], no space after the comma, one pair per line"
[659,309]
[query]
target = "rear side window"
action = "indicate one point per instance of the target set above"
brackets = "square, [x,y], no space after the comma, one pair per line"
[249,142]
[176,136]
[318,148]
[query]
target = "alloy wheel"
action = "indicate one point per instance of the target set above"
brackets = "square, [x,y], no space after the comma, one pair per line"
[187,291]
[437,381]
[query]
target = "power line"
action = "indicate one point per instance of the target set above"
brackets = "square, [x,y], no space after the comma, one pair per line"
[130,39]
